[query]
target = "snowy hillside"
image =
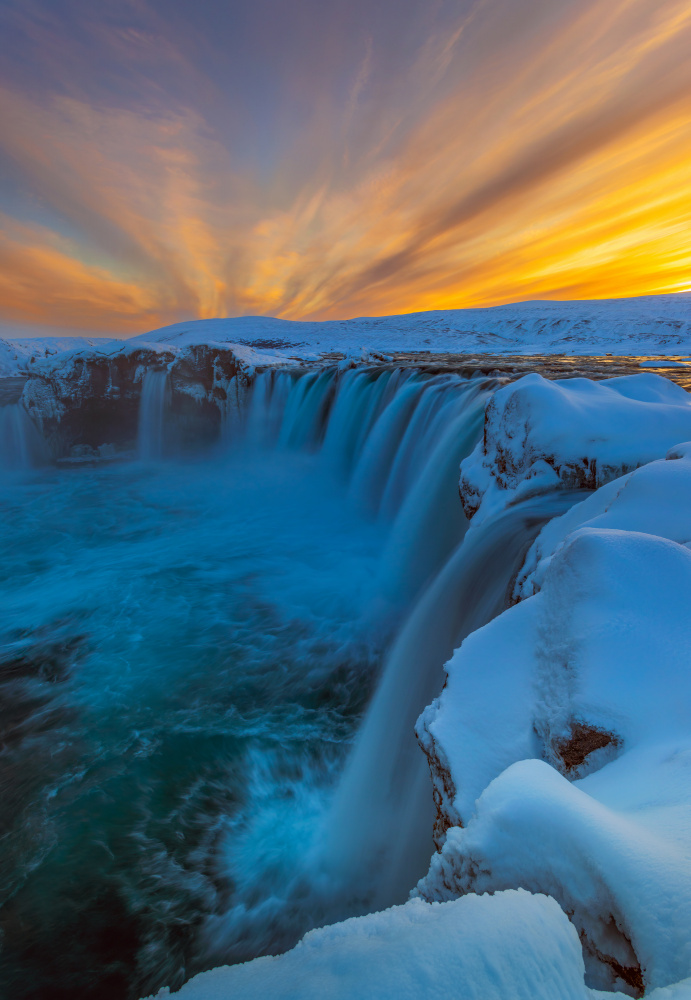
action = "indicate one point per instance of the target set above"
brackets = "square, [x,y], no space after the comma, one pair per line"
[656,324]
[651,325]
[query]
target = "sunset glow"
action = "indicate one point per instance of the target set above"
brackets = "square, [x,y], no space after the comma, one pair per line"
[168,161]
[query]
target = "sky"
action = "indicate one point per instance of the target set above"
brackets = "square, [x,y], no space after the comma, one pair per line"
[165,160]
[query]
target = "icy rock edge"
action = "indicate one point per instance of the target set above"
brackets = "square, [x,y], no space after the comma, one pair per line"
[87,397]
[560,746]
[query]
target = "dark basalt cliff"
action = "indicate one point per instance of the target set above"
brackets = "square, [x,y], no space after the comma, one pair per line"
[92,399]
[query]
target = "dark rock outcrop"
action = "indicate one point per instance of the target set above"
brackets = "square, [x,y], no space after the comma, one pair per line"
[91,398]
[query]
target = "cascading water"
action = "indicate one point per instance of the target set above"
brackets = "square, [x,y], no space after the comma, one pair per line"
[21,446]
[152,413]
[183,665]
[378,836]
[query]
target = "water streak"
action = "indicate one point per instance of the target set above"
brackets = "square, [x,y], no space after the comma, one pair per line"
[154,403]
[21,445]
[378,837]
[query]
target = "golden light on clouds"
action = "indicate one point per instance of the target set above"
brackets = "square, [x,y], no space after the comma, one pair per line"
[543,157]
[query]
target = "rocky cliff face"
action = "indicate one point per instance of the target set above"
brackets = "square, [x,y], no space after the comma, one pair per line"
[90,399]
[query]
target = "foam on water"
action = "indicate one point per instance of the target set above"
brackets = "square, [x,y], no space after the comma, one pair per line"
[161,629]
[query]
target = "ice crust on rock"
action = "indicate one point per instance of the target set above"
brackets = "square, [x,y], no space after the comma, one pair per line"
[542,434]
[511,945]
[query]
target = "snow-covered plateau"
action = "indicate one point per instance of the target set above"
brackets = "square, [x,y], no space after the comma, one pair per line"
[647,325]
[445,740]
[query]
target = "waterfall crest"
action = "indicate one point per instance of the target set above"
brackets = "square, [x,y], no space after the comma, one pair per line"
[377,429]
[152,412]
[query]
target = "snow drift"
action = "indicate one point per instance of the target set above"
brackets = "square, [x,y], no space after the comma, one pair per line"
[512,944]
[566,723]
[542,434]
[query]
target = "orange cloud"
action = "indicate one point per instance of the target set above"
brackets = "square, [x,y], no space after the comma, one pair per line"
[537,156]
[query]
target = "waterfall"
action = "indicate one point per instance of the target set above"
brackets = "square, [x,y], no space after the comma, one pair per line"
[396,439]
[378,837]
[208,657]
[376,429]
[21,445]
[152,411]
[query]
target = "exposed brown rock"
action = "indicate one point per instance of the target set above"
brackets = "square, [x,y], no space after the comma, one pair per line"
[583,740]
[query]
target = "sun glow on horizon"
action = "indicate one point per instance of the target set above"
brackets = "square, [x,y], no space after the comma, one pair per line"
[511,155]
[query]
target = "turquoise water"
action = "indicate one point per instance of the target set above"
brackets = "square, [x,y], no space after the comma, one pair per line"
[184,653]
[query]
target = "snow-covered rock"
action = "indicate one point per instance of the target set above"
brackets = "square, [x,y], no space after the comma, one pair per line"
[623,879]
[564,732]
[511,946]
[18,354]
[90,396]
[654,499]
[573,433]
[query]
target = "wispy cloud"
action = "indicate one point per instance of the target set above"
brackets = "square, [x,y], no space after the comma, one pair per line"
[515,150]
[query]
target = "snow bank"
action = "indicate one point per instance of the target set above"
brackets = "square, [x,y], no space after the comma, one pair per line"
[511,945]
[540,434]
[654,499]
[627,886]
[588,674]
